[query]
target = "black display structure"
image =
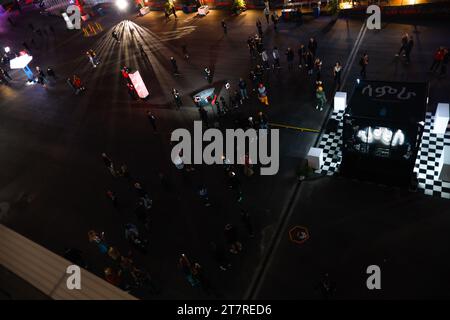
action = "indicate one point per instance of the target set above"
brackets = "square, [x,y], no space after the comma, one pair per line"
[382,130]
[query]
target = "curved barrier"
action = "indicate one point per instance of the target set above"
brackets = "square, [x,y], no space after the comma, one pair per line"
[46,271]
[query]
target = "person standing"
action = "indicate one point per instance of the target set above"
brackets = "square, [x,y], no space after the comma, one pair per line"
[444,64]
[152,120]
[275,21]
[251,47]
[363,62]
[115,36]
[235,184]
[290,58]
[185,51]
[40,76]
[408,49]
[312,47]
[265,59]
[174,66]
[259,27]
[220,256]
[437,59]
[321,98]
[276,58]
[254,79]
[262,94]
[224,27]
[5,73]
[177,98]
[318,67]
[243,88]
[112,196]
[203,193]
[51,73]
[405,39]
[262,120]
[267,14]
[109,164]
[207,72]
[301,56]
[337,69]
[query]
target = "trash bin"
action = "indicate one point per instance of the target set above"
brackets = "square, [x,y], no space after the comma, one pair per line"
[316,12]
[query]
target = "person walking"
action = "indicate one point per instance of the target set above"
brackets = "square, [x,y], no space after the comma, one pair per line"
[231,239]
[408,49]
[363,62]
[246,221]
[174,66]
[177,98]
[321,98]
[267,14]
[301,56]
[224,27]
[404,42]
[337,69]
[265,59]
[437,59]
[312,46]
[5,73]
[174,11]
[276,58]
[151,117]
[243,88]
[290,58]
[262,94]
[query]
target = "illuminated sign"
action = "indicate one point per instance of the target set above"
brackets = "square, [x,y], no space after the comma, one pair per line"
[139,85]
[382,91]
[383,135]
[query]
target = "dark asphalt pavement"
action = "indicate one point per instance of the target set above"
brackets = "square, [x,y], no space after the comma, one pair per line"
[51,140]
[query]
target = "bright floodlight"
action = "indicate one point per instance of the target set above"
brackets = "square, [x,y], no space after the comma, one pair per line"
[7,49]
[122,4]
